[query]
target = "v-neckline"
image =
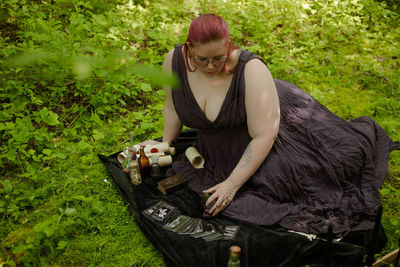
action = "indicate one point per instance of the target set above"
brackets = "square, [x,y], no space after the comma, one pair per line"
[226,96]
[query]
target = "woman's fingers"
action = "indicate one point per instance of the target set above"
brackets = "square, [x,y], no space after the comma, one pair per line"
[222,195]
[210,190]
[220,204]
[225,203]
[218,207]
[211,199]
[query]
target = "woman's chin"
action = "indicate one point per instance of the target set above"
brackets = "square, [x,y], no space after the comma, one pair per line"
[210,73]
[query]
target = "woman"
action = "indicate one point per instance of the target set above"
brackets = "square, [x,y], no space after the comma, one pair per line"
[273,155]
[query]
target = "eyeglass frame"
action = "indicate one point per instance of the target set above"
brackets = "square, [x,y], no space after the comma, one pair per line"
[208,61]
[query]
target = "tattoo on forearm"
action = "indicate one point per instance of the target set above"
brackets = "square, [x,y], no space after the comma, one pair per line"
[247,156]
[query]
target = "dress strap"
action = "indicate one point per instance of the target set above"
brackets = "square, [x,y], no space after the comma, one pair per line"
[177,67]
[178,46]
[246,55]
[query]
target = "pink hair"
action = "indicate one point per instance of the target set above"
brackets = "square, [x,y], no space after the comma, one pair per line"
[204,29]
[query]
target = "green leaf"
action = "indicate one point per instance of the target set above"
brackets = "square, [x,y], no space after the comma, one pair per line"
[19,249]
[47,152]
[49,231]
[155,75]
[31,57]
[45,227]
[394,221]
[146,87]
[62,244]
[95,118]
[70,211]
[80,197]
[100,19]
[82,66]
[147,125]
[7,126]
[61,155]
[98,207]
[160,92]
[7,185]
[384,191]
[49,117]
[84,146]
[97,135]
[52,119]
[12,154]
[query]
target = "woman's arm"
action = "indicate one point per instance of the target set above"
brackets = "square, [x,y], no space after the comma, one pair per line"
[263,116]
[172,123]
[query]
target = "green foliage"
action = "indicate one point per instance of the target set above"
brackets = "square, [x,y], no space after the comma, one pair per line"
[77,76]
[68,62]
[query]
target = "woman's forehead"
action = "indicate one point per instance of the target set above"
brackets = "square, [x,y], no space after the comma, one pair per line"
[211,49]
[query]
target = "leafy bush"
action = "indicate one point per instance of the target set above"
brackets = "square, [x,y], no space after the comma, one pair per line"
[67,63]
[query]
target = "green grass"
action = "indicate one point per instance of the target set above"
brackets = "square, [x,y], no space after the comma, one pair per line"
[58,114]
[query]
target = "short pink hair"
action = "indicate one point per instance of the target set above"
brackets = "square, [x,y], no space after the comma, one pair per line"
[204,29]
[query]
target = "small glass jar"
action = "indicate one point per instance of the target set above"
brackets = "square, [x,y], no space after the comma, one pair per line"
[234,257]
[134,172]
[155,167]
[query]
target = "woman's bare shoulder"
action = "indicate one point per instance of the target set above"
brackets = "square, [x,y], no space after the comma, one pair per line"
[168,60]
[258,80]
[255,68]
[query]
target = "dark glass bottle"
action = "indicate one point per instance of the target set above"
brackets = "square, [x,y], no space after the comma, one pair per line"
[144,163]
[234,258]
[204,200]
[155,167]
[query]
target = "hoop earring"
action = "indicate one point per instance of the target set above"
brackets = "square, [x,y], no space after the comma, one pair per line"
[186,57]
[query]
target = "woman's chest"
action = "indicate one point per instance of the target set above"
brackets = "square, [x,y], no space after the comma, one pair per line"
[209,93]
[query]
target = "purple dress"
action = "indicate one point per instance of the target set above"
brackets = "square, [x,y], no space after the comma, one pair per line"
[321,169]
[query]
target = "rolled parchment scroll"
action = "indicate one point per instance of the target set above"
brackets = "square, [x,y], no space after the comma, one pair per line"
[125,154]
[161,147]
[159,154]
[122,156]
[163,160]
[194,157]
[172,151]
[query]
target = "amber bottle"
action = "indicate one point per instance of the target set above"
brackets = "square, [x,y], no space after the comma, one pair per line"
[144,163]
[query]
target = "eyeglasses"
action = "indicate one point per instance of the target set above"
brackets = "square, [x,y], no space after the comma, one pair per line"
[216,61]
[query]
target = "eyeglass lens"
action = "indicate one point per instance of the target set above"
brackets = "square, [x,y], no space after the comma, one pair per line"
[215,61]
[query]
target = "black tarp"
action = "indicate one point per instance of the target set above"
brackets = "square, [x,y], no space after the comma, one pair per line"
[261,246]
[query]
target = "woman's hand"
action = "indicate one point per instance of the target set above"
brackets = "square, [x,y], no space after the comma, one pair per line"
[148,142]
[223,193]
